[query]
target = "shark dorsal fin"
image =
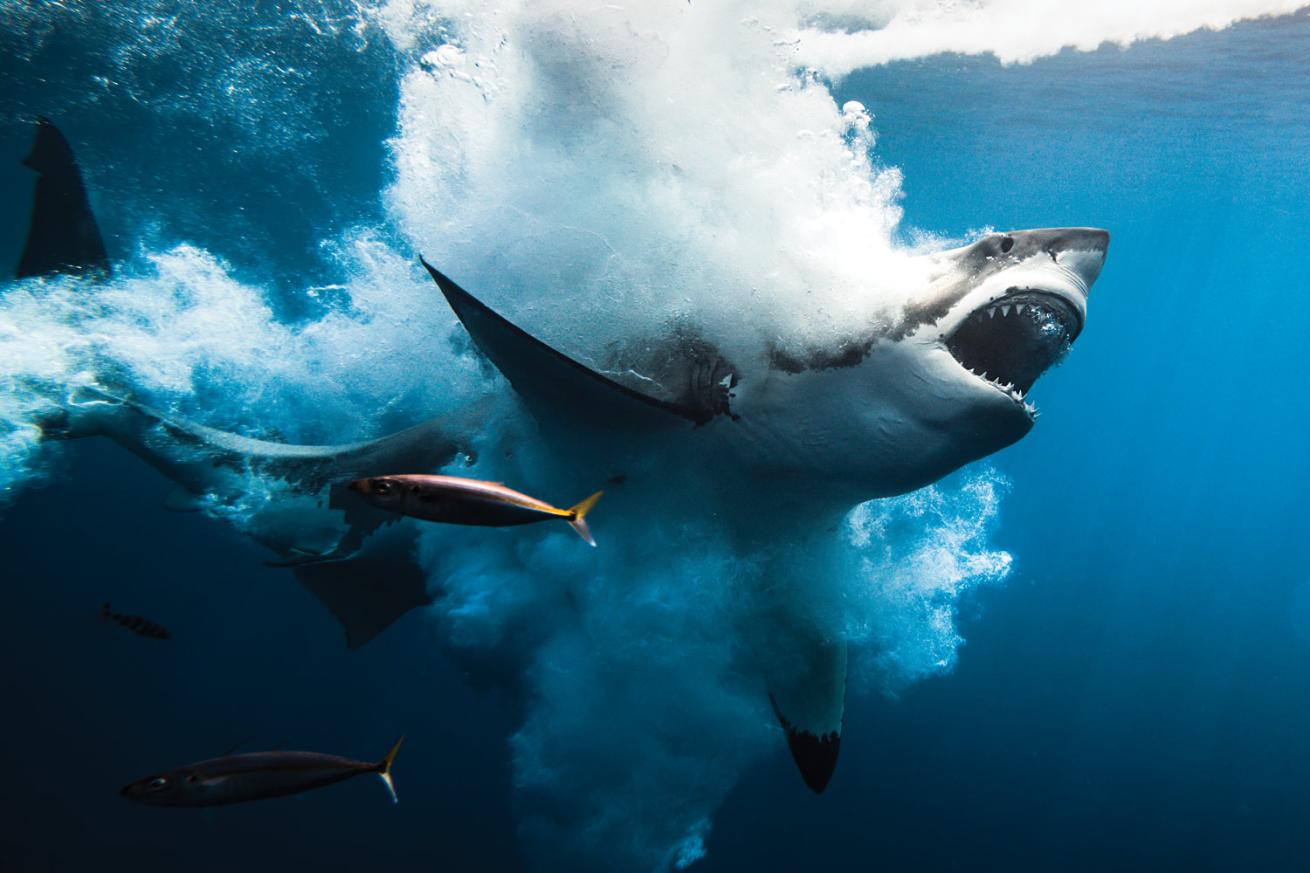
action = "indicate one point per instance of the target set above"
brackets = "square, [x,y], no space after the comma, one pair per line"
[551,383]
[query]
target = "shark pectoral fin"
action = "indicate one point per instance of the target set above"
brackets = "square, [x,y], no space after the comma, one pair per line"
[364,600]
[808,694]
[63,236]
[551,383]
[369,591]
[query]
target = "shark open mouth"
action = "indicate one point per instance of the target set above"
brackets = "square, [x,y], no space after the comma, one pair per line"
[1011,342]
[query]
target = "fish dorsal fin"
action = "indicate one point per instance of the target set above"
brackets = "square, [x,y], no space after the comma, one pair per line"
[551,383]
[63,236]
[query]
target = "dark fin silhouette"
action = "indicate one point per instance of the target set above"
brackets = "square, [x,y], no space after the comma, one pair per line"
[809,702]
[63,236]
[551,383]
[365,600]
[370,591]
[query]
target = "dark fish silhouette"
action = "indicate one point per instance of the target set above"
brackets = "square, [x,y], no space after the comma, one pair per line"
[454,500]
[142,627]
[254,776]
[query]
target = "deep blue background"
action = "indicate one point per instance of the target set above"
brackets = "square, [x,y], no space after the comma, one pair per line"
[1135,697]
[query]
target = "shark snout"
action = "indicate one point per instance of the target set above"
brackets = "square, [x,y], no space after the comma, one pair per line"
[1081,251]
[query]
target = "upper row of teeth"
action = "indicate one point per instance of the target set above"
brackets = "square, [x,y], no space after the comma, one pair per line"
[1015,394]
[1006,307]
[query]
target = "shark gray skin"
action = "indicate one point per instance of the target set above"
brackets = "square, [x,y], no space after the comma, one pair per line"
[782,443]
[795,441]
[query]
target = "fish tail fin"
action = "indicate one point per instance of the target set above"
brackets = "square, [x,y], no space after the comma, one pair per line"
[384,770]
[577,517]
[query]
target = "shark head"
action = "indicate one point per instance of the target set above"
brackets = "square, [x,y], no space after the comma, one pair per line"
[1010,306]
[947,382]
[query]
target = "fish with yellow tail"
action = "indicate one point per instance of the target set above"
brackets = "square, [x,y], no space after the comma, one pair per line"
[254,776]
[454,500]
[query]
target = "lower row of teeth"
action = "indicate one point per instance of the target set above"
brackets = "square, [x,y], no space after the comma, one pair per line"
[1015,394]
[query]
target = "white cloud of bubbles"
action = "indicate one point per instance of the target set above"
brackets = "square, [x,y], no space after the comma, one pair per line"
[597,172]
[840,37]
[177,329]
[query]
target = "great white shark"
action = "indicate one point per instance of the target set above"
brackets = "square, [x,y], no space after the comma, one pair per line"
[786,441]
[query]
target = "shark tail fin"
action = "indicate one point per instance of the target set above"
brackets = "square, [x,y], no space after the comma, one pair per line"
[63,236]
[384,770]
[577,517]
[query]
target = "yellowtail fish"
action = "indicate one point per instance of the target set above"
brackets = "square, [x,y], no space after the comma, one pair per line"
[254,776]
[453,500]
[142,627]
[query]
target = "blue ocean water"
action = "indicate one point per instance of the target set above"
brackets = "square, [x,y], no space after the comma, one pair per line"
[1132,695]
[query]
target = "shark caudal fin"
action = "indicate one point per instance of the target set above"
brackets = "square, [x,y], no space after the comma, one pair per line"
[384,770]
[63,236]
[577,517]
[808,695]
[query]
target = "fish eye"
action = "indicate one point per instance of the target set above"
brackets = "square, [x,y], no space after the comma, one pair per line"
[157,783]
[1007,243]
[381,486]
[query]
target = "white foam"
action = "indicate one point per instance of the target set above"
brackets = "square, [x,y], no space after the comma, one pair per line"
[177,330]
[1014,31]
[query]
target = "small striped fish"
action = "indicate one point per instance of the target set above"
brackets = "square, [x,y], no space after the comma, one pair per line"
[142,627]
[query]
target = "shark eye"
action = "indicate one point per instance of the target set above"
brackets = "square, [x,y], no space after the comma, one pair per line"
[1007,243]
[381,487]
[157,783]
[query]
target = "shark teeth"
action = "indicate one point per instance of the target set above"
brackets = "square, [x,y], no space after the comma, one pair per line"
[1004,309]
[1009,390]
